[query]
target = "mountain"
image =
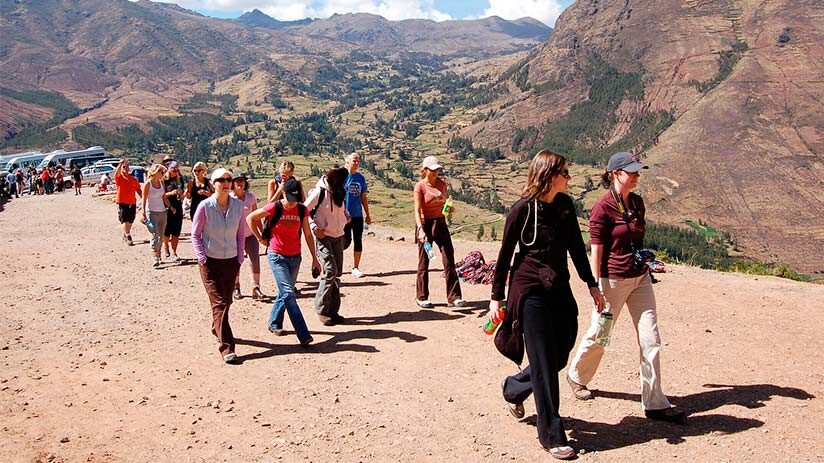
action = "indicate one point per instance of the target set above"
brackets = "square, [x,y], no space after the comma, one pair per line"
[722,97]
[257,18]
[481,37]
[122,62]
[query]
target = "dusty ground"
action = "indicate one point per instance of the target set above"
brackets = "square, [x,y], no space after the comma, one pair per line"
[107,359]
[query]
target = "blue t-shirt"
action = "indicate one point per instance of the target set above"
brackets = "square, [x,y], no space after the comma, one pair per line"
[355,185]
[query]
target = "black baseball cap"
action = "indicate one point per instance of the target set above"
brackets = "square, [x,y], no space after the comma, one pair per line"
[625,161]
[291,189]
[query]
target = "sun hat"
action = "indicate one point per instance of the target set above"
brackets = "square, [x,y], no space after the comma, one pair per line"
[172,165]
[291,189]
[627,162]
[431,163]
[218,173]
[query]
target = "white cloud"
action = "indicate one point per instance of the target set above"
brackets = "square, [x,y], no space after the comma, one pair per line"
[286,10]
[546,11]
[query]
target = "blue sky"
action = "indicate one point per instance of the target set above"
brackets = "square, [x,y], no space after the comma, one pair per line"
[439,10]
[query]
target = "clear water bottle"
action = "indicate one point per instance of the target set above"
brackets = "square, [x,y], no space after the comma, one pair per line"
[148,223]
[605,322]
[427,246]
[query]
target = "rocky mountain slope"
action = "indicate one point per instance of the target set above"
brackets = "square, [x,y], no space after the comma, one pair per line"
[123,62]
[730,91]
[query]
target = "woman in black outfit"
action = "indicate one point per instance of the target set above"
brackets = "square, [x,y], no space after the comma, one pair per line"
[544,225]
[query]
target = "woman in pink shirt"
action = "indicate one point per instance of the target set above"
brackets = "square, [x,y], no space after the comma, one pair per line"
[286,220]
[240,190]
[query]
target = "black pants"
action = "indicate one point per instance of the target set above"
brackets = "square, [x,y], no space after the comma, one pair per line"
[550,322]
[437,232]
[353,231]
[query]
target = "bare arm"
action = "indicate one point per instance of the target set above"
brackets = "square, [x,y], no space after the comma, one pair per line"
[272,189]
[145,197]
[421,235]
[310,242]
[597,251]
[253,220]
[365,202]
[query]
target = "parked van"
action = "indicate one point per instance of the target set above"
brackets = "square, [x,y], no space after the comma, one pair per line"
[68,159]
[24,162]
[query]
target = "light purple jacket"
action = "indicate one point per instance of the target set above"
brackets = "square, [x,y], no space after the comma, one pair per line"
[215,234]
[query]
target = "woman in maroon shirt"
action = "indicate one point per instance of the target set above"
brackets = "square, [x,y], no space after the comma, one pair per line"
[616,228]
[540,301]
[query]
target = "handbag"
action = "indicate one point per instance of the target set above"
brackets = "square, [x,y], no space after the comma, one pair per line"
[509,340]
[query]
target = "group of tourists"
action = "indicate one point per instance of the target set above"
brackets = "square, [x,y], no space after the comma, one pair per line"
[531,276]
[50,180]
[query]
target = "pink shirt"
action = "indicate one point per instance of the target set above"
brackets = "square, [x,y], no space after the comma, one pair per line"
[249,205]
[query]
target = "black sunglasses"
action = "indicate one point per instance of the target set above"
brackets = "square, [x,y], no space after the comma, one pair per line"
[222,180]
[565,173]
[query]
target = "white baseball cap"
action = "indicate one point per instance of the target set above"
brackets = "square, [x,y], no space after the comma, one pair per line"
[221,172]
[431,163]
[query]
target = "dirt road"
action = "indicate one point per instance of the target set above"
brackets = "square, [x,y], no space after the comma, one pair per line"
[106,359]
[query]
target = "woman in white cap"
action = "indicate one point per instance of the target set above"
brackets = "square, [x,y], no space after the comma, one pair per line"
[218,238]
[616,228]
[430,196]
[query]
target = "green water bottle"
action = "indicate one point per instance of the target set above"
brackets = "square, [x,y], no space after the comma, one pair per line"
[605,321]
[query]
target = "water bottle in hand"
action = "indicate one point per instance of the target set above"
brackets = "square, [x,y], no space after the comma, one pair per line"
[148,223]
[604,335]
[427,246]
[495,319]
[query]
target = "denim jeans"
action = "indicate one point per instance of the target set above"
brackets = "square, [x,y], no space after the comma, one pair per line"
[285,271]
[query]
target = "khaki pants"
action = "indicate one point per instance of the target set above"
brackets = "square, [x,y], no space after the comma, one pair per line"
[640,300]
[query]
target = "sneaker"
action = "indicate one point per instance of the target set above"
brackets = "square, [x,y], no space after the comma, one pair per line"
[356,273]
[564,452]
[327,321]
[276,331]
[175,258]
[156,262]
[236,294]
[579,390]
[125,239]
[230,358]
[257,294]
[129,240]
[457,303]
[670,415]
[424,304]
[339,320]
[307,341]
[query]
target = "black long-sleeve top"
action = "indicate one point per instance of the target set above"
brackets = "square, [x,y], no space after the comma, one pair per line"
[558,232]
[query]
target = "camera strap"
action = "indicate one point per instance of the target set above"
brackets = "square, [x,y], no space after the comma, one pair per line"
[623,211]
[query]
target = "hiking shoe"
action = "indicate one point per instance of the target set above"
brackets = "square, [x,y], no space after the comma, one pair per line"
[424,304]
[356,273]
[306,342]
[236,294]
[327,321]
[129,240]
[230,358]
[579,390]
[257,294]
[670,415]
[156,262]
[457,303]
[338,319]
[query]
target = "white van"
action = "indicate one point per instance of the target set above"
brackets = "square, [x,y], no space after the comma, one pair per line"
[24,162]
[67,159]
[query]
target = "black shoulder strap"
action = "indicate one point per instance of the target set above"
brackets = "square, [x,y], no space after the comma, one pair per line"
[321,197]
[273,220]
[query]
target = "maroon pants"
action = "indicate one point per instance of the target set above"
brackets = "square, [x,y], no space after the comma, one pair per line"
[218,277]
[437,232]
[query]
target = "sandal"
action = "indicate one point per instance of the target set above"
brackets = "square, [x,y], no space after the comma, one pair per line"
[562,453]
[257,294]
